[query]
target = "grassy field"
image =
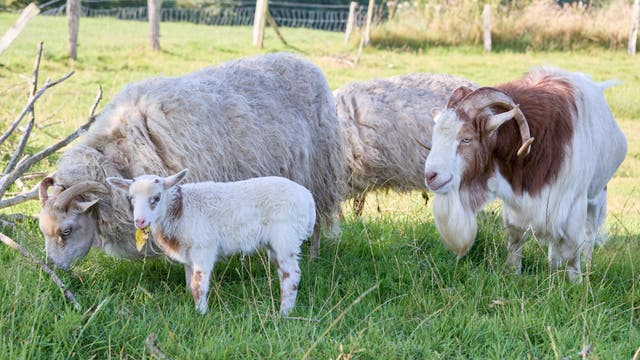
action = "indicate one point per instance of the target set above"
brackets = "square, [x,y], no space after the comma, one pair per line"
[387,289]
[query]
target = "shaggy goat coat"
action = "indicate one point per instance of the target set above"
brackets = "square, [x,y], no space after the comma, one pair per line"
[269,115]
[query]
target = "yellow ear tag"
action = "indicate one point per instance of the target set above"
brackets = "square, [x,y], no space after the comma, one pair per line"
[141,237]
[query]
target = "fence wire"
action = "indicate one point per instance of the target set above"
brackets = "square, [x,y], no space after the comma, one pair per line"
[287,14]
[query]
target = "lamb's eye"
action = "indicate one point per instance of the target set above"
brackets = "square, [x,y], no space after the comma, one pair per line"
[154,200]
[465,140]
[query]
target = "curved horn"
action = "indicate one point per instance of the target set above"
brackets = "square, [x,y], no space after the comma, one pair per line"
[478,100]
[43,188]
[64,198]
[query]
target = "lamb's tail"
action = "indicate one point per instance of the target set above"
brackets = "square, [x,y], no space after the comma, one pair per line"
[609,83]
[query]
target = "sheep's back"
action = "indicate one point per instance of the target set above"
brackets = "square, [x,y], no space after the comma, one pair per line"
[380,121]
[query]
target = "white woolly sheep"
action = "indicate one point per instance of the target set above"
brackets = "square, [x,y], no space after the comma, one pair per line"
[198,223]
[269,115]
[555,188]
[380,121]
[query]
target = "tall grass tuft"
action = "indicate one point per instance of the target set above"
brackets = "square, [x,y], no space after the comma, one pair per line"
[519,26]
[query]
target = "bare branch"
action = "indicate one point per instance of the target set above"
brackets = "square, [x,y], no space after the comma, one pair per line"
[29,105]
[14,245]
[19,199]
[23,141]
[150,344]
[8,179]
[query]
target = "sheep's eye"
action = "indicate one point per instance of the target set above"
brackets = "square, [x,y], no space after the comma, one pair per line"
[465,140]
[65,232]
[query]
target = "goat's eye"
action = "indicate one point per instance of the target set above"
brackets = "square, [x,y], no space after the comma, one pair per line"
[465,140]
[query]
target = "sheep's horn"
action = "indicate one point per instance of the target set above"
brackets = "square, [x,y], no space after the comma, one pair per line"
[43,188]
[64,198]
[481,98]
[422,144]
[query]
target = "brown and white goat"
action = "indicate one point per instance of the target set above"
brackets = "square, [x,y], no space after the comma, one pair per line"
[556,187]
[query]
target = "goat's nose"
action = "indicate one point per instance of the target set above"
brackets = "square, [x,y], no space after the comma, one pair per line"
[430,176]
[140,223]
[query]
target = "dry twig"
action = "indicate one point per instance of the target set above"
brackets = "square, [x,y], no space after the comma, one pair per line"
[8,179]
[14,245]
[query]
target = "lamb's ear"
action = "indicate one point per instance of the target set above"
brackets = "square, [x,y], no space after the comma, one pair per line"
[82,206]
[435,112]
[176,178]
[119,183]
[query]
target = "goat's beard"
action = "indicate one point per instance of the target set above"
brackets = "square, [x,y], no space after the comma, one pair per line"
[455,221]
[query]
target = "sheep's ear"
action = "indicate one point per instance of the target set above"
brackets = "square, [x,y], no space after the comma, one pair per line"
[119,183]
[82,206]
[176,178]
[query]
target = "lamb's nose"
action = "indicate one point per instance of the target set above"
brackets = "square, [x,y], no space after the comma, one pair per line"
[140,223]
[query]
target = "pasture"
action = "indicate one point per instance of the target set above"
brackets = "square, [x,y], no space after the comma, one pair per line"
[387,289]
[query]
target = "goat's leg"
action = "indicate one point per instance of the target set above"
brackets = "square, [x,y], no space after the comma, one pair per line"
[200,285]
[555,260]
[596,212]
[575,239]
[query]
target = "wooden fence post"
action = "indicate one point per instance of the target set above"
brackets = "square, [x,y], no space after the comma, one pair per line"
[351,21]
[258,22]
[486,16]
[153,14]
[633,37]
[367,28]
[25,15]
[73,21]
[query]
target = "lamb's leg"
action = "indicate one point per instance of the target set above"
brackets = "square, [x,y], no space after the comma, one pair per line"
[200,285]
[289,274]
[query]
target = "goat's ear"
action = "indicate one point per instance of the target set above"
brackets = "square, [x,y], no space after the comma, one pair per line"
[495,121]
[119,183]
[175,178]
[457,95]
[82,206]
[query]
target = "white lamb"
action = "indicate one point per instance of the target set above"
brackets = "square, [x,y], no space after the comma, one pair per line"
[198,223]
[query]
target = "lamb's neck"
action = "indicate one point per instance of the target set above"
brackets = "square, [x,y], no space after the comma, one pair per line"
[173,206]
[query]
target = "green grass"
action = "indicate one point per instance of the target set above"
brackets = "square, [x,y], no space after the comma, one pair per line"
[387,289]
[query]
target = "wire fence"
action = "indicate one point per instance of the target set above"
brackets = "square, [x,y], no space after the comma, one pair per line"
[288,14]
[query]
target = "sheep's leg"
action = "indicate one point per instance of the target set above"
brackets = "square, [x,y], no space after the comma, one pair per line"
[200,285]
[315,241]
[188,270]
[358,203]
[516,243]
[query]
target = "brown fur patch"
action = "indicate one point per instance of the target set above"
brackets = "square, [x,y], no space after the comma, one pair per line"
[196,280]
[285,275]
[176,208]
[548,104]
[169,243]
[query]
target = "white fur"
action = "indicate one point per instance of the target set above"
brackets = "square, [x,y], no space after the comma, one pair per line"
[222,219]
[566,213]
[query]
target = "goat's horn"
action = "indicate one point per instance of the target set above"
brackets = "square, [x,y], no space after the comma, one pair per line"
[478,100]
[43,188]
[64,198]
